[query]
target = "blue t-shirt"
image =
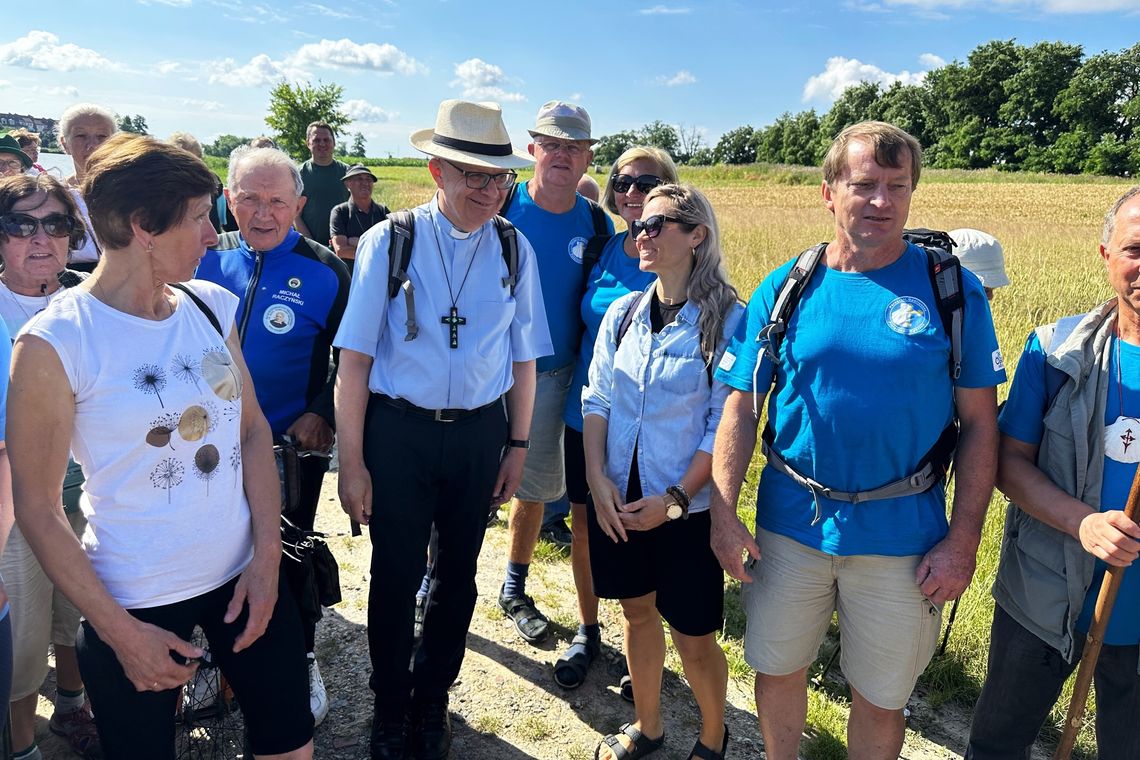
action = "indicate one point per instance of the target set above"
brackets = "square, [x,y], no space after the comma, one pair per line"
[1022,418]
[862,392]
[614,275]
[559,241]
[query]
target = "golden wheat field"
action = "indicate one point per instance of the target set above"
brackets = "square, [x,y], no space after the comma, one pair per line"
[1049,228]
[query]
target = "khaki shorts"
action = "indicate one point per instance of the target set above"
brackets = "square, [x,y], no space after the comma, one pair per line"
[543,479]
[41,614]
[888,629]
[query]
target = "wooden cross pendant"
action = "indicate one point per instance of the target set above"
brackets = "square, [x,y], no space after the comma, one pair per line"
[453,321]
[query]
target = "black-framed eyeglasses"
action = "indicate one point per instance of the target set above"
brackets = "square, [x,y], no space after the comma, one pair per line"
[479,180]
[24,225]
[652,226]
[646,182]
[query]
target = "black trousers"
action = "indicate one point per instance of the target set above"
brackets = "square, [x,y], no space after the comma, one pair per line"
[425,472]
[313,471]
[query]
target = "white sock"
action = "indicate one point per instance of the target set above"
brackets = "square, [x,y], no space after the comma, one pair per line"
[65,703]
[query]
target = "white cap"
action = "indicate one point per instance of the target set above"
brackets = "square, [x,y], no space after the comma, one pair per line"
[981,253]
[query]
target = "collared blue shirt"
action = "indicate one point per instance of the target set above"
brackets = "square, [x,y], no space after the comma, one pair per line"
[500,328]
[654,392]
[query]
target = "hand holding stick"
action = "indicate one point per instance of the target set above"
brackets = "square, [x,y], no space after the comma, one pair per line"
[1104,602]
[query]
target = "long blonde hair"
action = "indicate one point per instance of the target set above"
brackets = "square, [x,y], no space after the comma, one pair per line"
[709,288]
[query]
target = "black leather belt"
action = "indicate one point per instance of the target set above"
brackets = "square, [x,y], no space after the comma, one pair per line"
[439,415]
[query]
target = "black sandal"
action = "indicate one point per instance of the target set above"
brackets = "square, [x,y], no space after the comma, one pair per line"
[570,669]
[640,744]
[704,753]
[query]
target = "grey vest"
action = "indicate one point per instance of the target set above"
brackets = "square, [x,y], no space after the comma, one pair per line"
[1044,574]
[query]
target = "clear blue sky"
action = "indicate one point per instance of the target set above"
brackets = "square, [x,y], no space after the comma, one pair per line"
[206,66]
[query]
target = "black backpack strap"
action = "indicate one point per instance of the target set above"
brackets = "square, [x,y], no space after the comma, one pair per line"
[787,297]
[599,218]
[509,241]
[400,240]
[507,201]
[201,305]
[946,280]
[627,318]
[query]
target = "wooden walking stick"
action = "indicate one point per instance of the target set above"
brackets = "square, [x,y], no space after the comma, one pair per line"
[1104,601]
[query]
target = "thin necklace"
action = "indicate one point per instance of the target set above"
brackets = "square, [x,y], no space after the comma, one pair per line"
[452,318]
[15,297]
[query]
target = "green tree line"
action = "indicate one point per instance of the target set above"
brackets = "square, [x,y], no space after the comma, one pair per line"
[1043,108]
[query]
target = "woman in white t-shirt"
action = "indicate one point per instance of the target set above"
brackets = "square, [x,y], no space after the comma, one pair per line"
[39,225]
[181,497]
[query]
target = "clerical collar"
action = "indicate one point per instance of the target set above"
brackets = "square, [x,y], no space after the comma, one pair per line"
[445,224]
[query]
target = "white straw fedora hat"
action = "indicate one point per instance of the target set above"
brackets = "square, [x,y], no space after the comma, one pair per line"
[471,133]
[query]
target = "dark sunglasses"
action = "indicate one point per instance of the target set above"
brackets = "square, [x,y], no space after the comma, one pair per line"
[24,225]
[646,182]
[652,226]
[479,180]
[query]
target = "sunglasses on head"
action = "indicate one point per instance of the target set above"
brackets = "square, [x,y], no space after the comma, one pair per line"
[652,226]
[24,225]
[646,182]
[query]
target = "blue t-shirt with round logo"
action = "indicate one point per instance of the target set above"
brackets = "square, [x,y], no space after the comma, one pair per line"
[1023,418]
[861,393]
[559,241]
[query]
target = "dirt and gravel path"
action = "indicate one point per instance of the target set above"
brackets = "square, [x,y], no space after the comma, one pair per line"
[506,705]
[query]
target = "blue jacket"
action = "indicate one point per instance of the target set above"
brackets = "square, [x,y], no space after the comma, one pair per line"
[291,299]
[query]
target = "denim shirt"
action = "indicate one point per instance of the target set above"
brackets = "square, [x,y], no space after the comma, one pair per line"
[655,394]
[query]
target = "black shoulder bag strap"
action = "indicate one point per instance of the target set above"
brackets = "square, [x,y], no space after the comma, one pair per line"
[400,240]
[201,305]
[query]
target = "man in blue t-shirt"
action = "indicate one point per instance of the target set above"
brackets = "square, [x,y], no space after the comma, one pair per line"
[859,394]
[1070,441]
[558,222]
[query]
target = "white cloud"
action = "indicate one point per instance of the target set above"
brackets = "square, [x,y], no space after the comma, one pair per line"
[484,81]
[346,54]
[362,110]
[330,54]
[681,77]
[42,50]
[260,71]
[841,73]
[932,61]
[168,67]
[202,105]
[68,92]
[664,10]
[4,83]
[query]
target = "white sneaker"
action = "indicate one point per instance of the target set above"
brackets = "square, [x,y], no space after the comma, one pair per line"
[318,697]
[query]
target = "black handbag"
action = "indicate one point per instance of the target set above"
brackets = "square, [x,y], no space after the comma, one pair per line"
[310,568]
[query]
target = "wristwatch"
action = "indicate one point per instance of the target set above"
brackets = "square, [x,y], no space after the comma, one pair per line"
[673,508]
[518,443]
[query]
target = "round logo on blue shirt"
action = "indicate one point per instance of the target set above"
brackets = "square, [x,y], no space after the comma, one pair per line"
[278,319]
[577,249]
[294,283]
[907,315]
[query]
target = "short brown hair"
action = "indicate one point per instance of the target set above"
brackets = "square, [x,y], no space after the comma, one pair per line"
[888,141]
[139,178]
[319,125]
[17,188]
[24,137]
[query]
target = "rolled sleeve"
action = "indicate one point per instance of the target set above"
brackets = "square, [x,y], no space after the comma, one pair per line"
[365,315]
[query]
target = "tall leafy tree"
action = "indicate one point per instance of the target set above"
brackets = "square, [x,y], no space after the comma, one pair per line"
[136,124]
[224,145]
[292,107]
[609,147]
[661,135]
[736,147]
[357,145]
